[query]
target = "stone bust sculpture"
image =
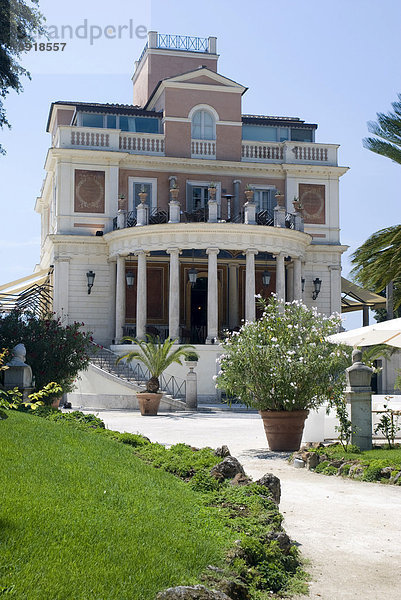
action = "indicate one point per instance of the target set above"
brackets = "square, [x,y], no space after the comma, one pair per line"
[19,356]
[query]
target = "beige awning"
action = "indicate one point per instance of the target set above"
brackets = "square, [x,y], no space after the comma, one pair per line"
[354,297]
[19,285]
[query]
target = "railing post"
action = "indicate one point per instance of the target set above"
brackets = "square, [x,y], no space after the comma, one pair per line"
[279,216]
[250,213]
[142,211]
[191,387]
[121,219]
[212,208]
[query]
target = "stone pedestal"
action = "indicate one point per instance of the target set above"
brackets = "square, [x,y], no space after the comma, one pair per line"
[174,211]
[279,216]
[121,219]
[191,389]
[18,374]
[250,213]
[359,395]
[212,206]
[142,214]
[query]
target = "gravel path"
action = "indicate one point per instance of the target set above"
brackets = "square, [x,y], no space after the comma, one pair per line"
[350,531]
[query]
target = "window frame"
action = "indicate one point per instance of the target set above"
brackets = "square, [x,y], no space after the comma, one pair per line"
[152,181]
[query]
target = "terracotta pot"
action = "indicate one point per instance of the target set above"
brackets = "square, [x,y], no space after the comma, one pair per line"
[249,195]
[56,403]
[284,428]
[148,403]
[174,192]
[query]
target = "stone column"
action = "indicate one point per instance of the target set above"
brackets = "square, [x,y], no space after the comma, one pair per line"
[250,308]
[141,296]
[280,276]
[233,319]
[290,282]
[359,395]
[61,278]
[335,288]
[297,283]
[212,296]
[120,299]
[174,294]
[235,208]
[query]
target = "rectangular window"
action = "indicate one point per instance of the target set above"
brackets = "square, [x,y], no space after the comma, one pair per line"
[301,135]
[146,125]
[111,121]
[265,200]
[136,185]
[283,134]
[92,120]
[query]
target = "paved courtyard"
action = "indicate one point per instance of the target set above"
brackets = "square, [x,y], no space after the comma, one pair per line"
[350,531]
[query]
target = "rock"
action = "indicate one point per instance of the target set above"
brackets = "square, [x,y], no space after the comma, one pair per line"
[397,479]
[356,471]
[234,589]
[240,479]
[312,460]
[222,452]
[386,472]
[282,539]
[343,468]
[227,469]
[193,592]
[299,463]
[336,463]
[273,484]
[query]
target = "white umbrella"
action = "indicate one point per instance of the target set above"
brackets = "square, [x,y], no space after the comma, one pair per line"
[388,332]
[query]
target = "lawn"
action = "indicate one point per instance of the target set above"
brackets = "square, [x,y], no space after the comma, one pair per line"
[81,517]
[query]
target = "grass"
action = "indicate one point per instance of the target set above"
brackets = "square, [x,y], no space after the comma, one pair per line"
[82,517]
[389,457]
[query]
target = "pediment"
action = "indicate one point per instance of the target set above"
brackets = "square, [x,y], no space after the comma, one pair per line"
[204,76]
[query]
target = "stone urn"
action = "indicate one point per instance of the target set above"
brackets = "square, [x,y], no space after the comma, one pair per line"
[212,194]
[284,428]
[249,195]
[143,196]
[149,403]
[174,192]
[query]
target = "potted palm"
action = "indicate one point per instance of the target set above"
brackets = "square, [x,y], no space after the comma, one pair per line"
[283,366]
[156,356]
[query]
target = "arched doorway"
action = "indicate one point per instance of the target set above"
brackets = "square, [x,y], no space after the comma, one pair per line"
[199,311]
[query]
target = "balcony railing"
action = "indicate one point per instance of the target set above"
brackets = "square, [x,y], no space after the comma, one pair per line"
[289,152]
[157,217]
[92,138]
[203,149]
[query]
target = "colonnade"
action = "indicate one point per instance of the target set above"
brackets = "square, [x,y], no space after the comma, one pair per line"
[212,291]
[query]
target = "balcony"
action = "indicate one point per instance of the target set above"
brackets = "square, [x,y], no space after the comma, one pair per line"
[91,138]
[289,152]
[153,144]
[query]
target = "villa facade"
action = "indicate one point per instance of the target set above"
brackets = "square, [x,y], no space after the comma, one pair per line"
[179,208]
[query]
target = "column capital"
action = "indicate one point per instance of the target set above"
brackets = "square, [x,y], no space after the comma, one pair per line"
[173,250]
[298,257]
[212,250]
[237,181]
[251,251]
[140,252]
[280,254]
[334,267]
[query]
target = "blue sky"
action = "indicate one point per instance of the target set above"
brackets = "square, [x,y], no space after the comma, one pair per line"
[332,63]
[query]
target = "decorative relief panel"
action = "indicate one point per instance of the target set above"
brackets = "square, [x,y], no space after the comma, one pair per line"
[89,191]
[312,198]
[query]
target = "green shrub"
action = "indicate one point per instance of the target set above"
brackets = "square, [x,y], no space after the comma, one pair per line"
[321,466]
[371,473]
[77,418]
[345,470]
[202,481]
[180,459]
[133,439]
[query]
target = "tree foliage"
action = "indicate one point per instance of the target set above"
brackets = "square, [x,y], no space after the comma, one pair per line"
[54,352]
[19,22]
[378,262]
[388,132]
[283,360]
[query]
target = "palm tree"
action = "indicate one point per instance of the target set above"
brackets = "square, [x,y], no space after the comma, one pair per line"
[156,356]
[388,129]
[378,261]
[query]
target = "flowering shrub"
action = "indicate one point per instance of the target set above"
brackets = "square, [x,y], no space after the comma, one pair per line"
[283,361]
[54,352]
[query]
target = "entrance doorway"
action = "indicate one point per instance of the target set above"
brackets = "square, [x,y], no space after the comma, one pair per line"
[199,311]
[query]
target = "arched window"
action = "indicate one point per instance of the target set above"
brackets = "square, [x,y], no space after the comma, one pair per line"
[203,126]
